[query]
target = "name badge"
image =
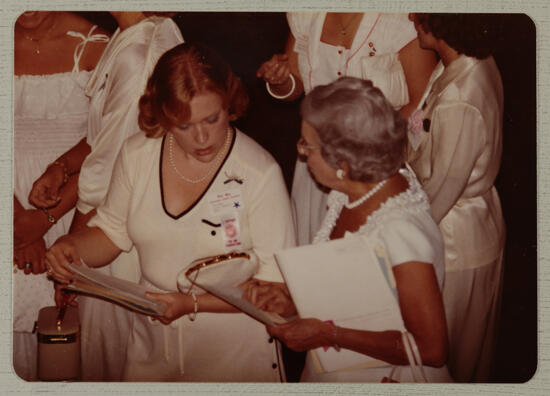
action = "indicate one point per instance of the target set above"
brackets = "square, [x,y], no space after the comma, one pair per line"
[231,232]
[226,206]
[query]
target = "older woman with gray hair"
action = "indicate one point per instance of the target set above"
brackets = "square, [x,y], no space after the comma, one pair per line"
[354,144]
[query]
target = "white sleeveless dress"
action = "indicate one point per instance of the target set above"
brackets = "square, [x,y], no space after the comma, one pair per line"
[50,117]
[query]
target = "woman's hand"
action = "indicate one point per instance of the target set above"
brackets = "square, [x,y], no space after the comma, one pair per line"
[275,71]
[63,298]
[303,334]
[33,254]
[177,305]
[269,296]
[45,190]
[28,227]
[59,256]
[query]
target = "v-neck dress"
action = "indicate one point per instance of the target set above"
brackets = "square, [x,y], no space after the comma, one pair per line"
[216,346]
[373,55]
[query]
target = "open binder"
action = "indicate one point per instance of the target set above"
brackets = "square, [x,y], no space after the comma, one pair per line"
[129,294]
[348,281]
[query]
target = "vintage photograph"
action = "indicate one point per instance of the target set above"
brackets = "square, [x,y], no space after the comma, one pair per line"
[301,197]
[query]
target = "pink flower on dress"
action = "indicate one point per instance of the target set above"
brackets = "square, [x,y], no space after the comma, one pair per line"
[415,123]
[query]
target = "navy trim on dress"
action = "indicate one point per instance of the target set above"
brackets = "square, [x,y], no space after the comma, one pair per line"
[176,217]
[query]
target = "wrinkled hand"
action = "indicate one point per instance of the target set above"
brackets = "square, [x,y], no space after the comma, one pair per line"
[45,190]
[303,334]
[63,298]
[269,296]
[59,256]
[34,254]
[177,305]
[275,71]
[28,227]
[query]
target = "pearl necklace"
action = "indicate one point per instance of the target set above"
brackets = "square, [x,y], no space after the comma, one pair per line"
[369,194]
[210,171]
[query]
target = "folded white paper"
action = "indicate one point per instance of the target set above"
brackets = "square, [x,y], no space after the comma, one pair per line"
[348,281]
[130,294]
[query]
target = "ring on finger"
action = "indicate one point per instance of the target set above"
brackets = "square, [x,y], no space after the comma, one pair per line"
[28,264]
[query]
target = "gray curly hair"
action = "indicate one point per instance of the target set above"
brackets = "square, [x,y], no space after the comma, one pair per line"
[357,124]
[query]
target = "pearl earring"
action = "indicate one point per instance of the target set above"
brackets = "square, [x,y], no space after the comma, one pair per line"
[340,174]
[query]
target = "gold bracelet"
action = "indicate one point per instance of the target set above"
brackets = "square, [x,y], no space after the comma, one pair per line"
[50,217]
[65,172]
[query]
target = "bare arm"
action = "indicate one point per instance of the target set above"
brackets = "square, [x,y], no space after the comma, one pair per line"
[90,245]
[276,72]
[45,192]
[418,65]
[30,225]
[423,314]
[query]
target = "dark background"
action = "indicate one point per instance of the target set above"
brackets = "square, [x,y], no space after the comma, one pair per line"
[246,39]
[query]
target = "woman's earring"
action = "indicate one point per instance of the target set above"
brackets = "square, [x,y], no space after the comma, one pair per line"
[340,174]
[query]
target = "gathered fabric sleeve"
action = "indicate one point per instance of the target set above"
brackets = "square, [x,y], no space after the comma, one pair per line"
[118,122]
[270,221]
[112,216]
[299,23]
[459,135]
[414,240]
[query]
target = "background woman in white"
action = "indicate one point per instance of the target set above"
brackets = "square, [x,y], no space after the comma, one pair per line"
[455,149]
[114,90]
[54,55]
[325,46]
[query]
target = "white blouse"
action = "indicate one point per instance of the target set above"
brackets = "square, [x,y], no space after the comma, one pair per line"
[115,87]
[373,54]
[458,158]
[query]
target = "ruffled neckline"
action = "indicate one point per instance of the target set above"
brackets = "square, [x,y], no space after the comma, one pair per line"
[413,199]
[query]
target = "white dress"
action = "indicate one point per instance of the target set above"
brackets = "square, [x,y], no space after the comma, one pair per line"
[215,347]
[50,116]
[403,226]
[457,160]
[373,55]
[115,87]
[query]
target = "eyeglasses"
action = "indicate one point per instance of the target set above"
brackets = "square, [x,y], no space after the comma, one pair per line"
[304,148]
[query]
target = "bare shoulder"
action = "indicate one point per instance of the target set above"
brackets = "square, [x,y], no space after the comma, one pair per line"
[94,49]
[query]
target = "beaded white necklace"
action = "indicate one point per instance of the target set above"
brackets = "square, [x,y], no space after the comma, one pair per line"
[211,170]
[413,199]
[370,193]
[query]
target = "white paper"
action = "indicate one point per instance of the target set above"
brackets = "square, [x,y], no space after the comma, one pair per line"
[234,297]
[130,294]
[345,281]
